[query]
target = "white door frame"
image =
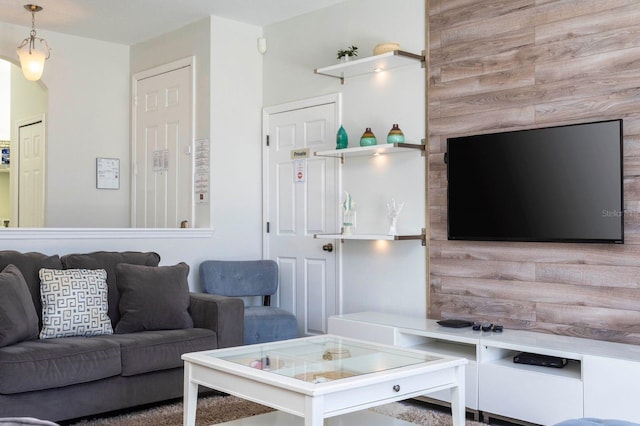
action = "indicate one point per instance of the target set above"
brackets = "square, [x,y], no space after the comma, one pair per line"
[161,69]
[290,106]
[14,177]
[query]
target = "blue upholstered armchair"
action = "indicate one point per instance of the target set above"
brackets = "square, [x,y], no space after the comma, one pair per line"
[250,278]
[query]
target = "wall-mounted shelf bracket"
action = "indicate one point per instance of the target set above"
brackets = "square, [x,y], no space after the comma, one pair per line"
[371,64]
[373,237]
[381,149]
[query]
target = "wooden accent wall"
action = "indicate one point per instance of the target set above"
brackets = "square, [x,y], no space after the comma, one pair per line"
[497,65]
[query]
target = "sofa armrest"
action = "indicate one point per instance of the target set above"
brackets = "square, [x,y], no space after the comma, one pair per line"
[224,315]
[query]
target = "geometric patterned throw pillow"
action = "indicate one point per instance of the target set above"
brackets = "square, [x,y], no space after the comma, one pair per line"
[74,303]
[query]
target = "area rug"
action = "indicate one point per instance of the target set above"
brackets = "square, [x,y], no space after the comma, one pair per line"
[218,409]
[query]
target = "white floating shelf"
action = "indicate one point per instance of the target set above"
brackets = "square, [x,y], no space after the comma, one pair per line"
[372,237]
[371,64]
[380,149]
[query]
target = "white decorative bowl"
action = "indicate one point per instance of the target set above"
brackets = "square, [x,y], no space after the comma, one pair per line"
[385,47]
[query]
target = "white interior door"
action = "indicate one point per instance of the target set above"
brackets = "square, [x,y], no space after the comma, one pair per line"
[31,175]
[300,201]
[162,195]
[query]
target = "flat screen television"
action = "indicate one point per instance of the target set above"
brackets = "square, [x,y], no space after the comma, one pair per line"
[554,184]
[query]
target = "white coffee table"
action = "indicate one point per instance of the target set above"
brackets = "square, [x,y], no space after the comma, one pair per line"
[322,376]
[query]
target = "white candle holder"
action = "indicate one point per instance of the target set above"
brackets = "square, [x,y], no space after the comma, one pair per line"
[348,215]
[393,211]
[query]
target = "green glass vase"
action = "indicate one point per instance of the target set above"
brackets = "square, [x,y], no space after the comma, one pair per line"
[368,138]
[342,140]
[395,135]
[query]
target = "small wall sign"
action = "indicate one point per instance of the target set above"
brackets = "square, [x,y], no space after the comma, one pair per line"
[161,160]
[107,173]
[202,172]
[299,170]
[297,154]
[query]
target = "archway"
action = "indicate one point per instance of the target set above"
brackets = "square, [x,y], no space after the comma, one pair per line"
[20,100]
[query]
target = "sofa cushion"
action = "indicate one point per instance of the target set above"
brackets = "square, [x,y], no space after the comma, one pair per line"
[266,324]
[108,261]
[51,363]
[161,349]
[74,303]
[18,317]
[29,265]
[19,421]
[153,298]
[239,278]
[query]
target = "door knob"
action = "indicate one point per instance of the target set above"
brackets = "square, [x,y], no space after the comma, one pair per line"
[328,247]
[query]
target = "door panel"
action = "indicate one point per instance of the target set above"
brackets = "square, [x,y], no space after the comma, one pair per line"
[286,296]
[315,279]
[31,176]
[286,196]
[163,164]
[316,205]
[299,207]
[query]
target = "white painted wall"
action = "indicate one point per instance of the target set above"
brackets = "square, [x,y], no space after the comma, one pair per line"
[228,111]
[377,275]
[191,40]
[28,100]
[191,246]
[5,100]
[5,135]
[5,212]
[88,117]
[229,99]
[89,87]
[236,132]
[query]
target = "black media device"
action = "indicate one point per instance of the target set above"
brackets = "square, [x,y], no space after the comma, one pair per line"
[455,323]
[486,326]
[554,184]
[541,360]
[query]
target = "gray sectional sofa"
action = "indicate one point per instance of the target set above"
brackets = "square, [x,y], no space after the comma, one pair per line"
[57,364]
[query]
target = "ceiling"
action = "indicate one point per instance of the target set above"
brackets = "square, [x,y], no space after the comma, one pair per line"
[132,21]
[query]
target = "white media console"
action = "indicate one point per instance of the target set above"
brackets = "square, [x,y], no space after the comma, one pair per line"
[601,379]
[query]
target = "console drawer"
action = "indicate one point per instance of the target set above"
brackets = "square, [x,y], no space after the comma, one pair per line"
[541,395]
[407,387]
[377,333]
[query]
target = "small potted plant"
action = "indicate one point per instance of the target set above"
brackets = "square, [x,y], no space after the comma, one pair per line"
[345,55]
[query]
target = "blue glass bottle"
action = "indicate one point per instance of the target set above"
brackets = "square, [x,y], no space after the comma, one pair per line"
[342,140]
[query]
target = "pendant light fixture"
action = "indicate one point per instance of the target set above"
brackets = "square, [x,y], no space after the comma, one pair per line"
[32,56]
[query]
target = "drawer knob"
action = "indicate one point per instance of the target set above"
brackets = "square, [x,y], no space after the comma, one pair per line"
[396,388]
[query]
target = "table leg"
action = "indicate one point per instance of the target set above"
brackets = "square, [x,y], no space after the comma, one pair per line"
[314,411]
[457,398]
[190,397]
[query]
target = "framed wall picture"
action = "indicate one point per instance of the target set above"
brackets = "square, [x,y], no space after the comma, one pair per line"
[107,173]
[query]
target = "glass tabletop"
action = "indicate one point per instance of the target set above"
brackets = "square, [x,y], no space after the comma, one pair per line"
[323,358]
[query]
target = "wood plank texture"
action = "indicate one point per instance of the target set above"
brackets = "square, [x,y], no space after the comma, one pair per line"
[498,65]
